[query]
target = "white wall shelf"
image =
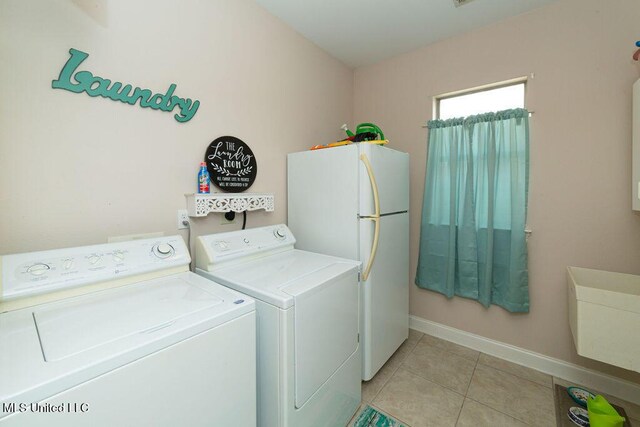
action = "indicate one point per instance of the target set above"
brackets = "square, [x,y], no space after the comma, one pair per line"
[199,205]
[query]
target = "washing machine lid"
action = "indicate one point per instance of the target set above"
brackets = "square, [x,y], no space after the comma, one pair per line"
[51,347]
[277,279]
[102,319]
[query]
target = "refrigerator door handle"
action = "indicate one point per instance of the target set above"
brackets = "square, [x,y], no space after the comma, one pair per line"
[375,217]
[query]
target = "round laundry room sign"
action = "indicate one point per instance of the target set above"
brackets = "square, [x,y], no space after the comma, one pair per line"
[231,164]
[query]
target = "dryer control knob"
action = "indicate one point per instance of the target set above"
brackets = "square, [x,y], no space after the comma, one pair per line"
[38,269]
[279,233]
[163,250]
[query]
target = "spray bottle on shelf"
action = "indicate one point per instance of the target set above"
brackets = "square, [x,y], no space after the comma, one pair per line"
[203,179]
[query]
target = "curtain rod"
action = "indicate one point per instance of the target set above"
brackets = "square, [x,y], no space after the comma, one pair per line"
[425,126]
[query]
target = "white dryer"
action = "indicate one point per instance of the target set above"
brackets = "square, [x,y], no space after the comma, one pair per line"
[122,334]
[307,306]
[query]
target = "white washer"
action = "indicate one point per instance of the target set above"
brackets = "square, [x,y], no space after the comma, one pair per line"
[307,304]
[123,334]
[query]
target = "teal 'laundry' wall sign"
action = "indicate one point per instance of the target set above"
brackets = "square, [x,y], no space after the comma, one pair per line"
[98,86]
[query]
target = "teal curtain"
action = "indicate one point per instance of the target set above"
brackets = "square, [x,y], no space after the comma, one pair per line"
[472,238]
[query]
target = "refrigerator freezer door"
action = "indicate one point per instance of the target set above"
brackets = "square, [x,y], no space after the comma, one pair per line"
[385,294]
[391,170]
[322,188]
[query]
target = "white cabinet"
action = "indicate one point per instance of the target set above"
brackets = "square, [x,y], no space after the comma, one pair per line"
[604,315]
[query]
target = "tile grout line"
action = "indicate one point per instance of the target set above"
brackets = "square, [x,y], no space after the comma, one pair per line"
[434,383]
[521,378]
[464,397]
[471,379]
[476,361]
[501,412]
[466,393]
[516,375]
[385,383]
[500,358]
[395,370]
[406,368]
[389,379]
[459,412]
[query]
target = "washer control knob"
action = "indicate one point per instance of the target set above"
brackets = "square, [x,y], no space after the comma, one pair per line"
[93,259]
[222,244]
[163,250]
[38,269]
[67,264]
[246,240]
[280,233]
[118,256]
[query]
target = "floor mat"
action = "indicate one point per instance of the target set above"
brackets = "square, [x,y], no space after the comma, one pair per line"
[369,417]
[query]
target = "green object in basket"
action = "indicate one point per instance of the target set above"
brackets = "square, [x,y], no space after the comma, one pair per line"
[602,414]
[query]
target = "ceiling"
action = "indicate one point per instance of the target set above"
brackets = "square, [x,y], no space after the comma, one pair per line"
[362,32]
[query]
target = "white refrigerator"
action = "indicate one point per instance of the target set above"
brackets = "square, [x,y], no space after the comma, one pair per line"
[353,202]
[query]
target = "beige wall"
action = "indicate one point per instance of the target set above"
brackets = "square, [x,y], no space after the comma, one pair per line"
[75,169]
[580,207]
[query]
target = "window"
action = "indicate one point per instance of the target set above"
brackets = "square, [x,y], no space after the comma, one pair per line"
[472,235]
[477,101]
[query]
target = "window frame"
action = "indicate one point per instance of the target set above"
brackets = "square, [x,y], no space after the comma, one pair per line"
[478,89]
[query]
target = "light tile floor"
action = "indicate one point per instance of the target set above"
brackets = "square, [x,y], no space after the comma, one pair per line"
[432,382]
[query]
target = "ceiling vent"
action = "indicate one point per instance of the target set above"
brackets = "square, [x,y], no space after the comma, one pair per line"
[458,3]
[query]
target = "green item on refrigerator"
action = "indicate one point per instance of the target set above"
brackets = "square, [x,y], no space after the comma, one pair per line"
[602,414]
[369,127]
[364,128]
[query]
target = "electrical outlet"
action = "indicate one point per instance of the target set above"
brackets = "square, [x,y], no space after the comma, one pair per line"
[228,218]
[183,216]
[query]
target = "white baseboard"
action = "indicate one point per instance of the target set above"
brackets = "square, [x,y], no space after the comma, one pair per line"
[608,384]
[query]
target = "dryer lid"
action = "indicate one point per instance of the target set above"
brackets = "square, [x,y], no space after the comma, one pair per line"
[278,278]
